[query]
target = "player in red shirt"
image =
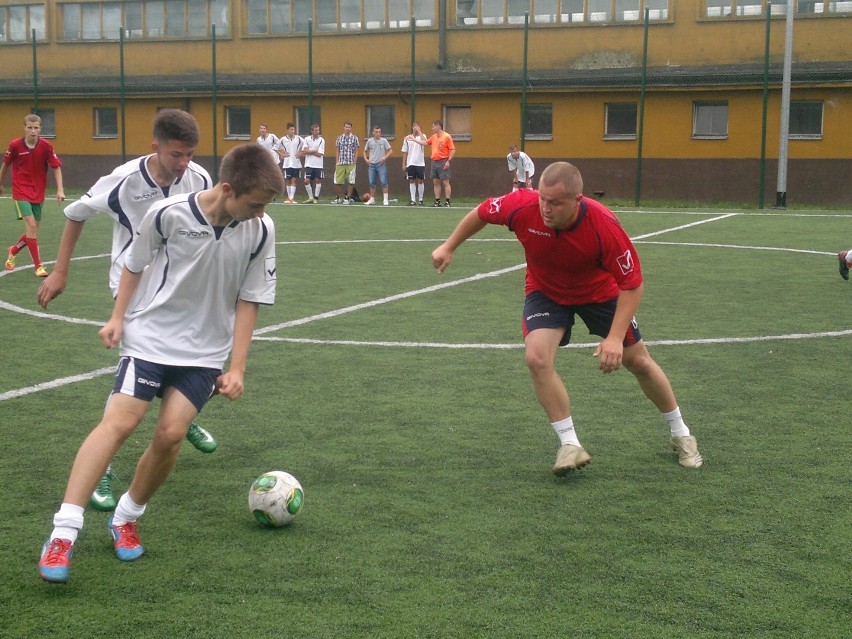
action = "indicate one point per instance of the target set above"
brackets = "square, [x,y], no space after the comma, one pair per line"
[579,262]
[29,158]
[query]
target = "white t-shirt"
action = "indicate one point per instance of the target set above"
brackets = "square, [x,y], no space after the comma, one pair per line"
[182,313]
[415,155]
[521,166]
[269,143]
[292,146]
[126,194]
[314,144]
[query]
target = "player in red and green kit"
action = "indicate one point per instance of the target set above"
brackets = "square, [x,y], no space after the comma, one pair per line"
[29,157]
[579,262]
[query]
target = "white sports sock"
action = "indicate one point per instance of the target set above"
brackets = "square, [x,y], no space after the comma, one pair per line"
[67,522]
[317,191]
[676,423]
[565,430]
[291,192]
[420,189]
[385,198]
[412,188]
[308,189]
[127,510]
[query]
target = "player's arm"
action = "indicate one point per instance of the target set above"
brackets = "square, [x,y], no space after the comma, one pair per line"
[110,333]
[230,384]
[60,191]
[610,351]
[55,283]
[387,155]
[3,170]
[470,225]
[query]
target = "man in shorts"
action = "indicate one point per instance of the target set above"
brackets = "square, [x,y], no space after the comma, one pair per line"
[579,262]
[443,151]
[30,157]
[188,299]
[290,151]
[347,145]
[414,164]
[313,151]
[521,167]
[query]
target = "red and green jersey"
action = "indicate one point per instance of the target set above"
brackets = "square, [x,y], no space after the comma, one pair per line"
[29,168]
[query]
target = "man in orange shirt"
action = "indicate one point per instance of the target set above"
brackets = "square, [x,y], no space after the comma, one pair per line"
[443,150]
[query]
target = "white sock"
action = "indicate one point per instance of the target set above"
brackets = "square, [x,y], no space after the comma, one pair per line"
[308,189]
[565,430]
[676,423]
[67,522]
[127,510]
[291,192]
[412,188]
[386,198]
[317,191]
[420,188]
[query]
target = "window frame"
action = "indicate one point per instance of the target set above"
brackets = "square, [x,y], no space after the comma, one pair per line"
[386,122]
[611,111]
[233,114]
[697,106]
[799,106]
[99,123]
[546,110]
[447,117]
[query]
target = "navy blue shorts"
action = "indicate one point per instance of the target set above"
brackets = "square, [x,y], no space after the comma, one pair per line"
[313,173]
[145,380]
[542,312]
[415,172]
[292,174]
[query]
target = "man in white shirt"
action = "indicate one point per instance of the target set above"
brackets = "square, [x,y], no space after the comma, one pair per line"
[414,164]
[289,150]
[522,166]
[268,140]
[313,151]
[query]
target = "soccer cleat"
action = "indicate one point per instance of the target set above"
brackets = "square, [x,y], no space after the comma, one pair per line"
[437,204]
[421,203]
[41,271]
[201,438]
[687,448]
[10,260]
[412,203]
[370,202]
[570,458]
[125,540]
[841,258]
[447,204]
[310,200]
[103,499]
[55,561]
[336,200]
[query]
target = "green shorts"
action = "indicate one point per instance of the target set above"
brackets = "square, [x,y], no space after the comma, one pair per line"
[25,209]
[344,174]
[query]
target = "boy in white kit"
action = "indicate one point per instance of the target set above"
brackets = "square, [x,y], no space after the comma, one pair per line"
[188,298]
[290,150]
[313,151]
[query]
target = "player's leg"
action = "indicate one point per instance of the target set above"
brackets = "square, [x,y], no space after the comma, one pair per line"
[436,187]
[339,181]
[448,189]
[309,187]
[383,177]
[656,387]
[844,259]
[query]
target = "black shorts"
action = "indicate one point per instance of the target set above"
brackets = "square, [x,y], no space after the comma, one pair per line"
[542,312]
[145,380]
[415,172]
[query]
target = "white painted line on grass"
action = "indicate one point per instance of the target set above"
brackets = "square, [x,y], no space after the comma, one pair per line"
[56,383]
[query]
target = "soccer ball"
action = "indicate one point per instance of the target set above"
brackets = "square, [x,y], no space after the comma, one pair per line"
[275,498]
[365,197]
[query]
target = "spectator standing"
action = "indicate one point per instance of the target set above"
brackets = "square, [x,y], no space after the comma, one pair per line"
[347,145]
[376,152]
[414,164]
[313,151]
[522,166]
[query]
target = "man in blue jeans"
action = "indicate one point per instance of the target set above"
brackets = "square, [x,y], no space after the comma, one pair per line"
[376,151]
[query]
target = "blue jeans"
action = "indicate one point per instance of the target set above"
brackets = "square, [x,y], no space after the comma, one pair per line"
[378,172]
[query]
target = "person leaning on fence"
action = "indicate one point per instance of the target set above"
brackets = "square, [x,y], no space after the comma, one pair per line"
[347,145]
[188,299]
[30,157]
[522,168]
[579,262]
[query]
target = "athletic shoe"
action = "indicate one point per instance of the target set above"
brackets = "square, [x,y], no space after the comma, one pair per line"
[346,201]
[125,540]
[688,455]
[386,203]
[570,458]
[310,200]
[336,200]
[55,561]
[421,203]
[370,201]
[103,499]
[201,438]
[412,203]
[10,260]
[841,258]
[436,205]
[447,203]
[41,272]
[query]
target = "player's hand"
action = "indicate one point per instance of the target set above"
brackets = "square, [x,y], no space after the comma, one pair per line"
[441,257]
[60,196]
[50,288]
[110,334]
[610,353]
[230,385]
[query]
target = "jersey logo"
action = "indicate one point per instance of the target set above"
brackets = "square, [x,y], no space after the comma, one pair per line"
[187,233]
[139,197]
[494,207]
[270,269]
[625,262]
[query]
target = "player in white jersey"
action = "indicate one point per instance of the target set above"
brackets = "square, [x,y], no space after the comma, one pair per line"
[522,166]
[125,195]
[269,141]
[414,164]
[290,149]
[188,300]
[313,151]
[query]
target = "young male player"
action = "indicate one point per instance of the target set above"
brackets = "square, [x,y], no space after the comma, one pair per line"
[313,151]
[290,150]
[414,164]
[579,262]
[29,157]
[269,141]
[443,152]
[522,168]
[188,299]
[125,195]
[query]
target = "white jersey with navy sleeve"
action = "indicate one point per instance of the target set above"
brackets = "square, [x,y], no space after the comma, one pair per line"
[126,194]
[182,313]
[314,144]
[292,146]
[415,155]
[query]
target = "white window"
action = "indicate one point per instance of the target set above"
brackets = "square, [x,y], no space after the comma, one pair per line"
[710,120]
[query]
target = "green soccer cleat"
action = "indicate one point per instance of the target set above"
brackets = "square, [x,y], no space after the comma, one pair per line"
[103,499]
[201,439]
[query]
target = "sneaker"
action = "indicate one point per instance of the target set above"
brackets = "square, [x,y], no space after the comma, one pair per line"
[55,561]
[370,201]
[290,200]
[103,499]
[421,203]
[41,272]
[570,458]
[336,200]
[346,201]
[841,258]
[201,438]
[688,455]
[412,203]
[437,204]
[125,540]
[447,204]
[10,260]
[310,200]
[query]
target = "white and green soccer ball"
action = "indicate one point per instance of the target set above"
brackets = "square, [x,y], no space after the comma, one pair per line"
[275,498]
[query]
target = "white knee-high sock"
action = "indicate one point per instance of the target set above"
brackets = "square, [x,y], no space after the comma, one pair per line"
[565,430]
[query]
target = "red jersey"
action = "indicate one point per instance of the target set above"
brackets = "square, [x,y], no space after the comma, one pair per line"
[590,262]
[29,168]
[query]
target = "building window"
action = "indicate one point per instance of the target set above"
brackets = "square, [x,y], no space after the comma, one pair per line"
[143,19]
[710,120]
[457,122]
[539,122]
[512,12]
[48,122]
[18,21]
[238,123]
[275,17]
[305,118]
[106,122]
[806,120]
[383,116]
[757,8]
[620,121]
